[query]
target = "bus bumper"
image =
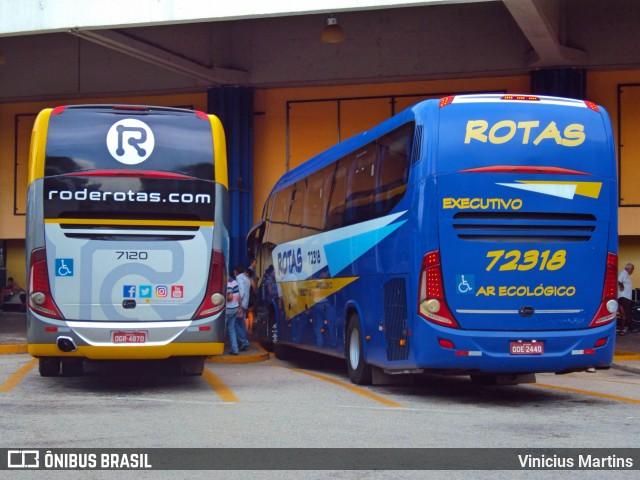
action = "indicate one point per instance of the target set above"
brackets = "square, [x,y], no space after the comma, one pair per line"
[110,340]
[490,352]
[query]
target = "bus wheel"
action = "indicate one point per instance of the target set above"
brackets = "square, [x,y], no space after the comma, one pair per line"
[72,367]
[359,372]
[483,379]
[49,366]
[281,352]
[191,366]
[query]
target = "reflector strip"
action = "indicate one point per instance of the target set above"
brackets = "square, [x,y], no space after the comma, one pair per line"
[588,351]
[468,353]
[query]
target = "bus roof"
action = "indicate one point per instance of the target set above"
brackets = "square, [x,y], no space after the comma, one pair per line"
[478,105]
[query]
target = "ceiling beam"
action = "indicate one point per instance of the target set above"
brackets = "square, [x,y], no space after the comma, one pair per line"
[163,58]
[539,21]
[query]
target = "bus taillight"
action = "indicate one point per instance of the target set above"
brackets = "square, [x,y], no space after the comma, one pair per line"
[431,302]
[592,106]
[609,304]
[214,298]
[40,299]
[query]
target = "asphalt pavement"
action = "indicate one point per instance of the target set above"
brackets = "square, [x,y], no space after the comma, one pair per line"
[13,339]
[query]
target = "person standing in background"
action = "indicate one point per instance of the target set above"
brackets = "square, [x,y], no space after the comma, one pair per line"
[245,290]
[624,297]
[233,305]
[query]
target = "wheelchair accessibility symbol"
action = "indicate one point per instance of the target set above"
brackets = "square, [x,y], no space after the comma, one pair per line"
[465,284]
[64,267]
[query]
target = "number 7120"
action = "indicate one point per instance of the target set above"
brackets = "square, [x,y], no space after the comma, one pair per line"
[518,260]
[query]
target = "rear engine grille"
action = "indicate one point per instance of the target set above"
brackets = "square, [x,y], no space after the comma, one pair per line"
[524,226]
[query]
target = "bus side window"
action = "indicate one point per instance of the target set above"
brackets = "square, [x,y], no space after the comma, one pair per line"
[278,228]
[298,195]
[394,152]
[316,200]
[361,185]
[335,216]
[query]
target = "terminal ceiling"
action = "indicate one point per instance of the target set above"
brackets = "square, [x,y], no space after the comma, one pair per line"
[450,39]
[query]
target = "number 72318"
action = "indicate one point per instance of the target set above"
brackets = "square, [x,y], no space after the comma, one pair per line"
[529,260]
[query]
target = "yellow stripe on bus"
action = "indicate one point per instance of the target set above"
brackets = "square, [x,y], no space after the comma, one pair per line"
[155,223]
[38,145]
[129,352]
[219,151]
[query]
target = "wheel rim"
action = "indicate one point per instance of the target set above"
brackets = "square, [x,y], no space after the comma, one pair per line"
[354,350]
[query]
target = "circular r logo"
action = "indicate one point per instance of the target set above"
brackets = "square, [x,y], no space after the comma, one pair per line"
[130,141]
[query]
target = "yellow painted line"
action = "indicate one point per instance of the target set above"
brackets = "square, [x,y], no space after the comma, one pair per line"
[224,392]
[352,388]
[599,379]
[589,392]
[17,376]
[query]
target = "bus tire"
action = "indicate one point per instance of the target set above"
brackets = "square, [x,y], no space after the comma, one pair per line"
[483,379]
[281,352]
[359,371]
[72,367]
[49,366]
[191,366]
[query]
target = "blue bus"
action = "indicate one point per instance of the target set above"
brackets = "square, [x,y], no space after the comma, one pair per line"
[127,236]
[473,235]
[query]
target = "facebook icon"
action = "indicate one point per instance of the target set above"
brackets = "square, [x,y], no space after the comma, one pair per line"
[129,291]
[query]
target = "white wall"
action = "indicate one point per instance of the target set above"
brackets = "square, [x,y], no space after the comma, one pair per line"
[19,17]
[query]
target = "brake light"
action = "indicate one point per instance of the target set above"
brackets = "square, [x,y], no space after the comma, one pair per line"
[592,106]
[201,115]
[444,101]
[57,110]
[521,98]
[214,298]
[431,302]
[609,303]
[40,299]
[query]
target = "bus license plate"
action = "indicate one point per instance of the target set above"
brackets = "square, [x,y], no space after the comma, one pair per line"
[129,337]
[526,348]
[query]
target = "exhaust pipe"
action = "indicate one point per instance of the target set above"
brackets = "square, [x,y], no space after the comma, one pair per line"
[66,344]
